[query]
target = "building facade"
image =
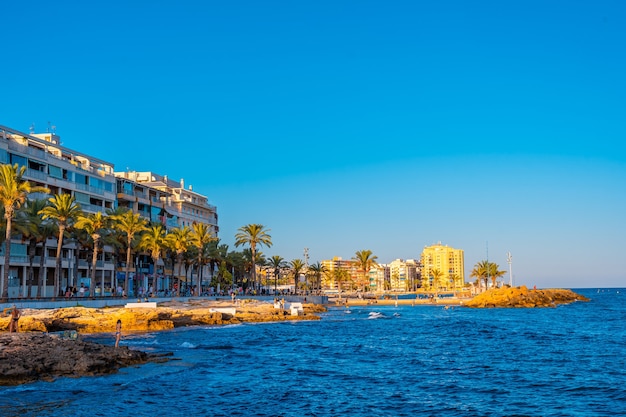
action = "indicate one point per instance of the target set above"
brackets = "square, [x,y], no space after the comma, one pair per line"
[162,200]
[97,188]
[443,267]
[63,171]
[181,206]
[403,275]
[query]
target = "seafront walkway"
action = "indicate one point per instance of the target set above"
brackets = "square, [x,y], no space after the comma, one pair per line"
[101,302]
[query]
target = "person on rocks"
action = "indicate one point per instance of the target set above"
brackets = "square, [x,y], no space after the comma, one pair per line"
[118,332]
[15,317]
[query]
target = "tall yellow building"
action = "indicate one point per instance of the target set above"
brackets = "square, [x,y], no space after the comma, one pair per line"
[443,267]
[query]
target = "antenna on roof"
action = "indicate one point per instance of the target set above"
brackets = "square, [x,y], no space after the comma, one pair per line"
[32,128]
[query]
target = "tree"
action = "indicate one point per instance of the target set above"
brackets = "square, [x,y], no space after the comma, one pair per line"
[253,235]
[339,275]
[29,224]
[436,277]
[297,266]
[317,270]
[481,272]
[62,211]
[365,261]
[129,224]
[201,235]
[179,240]
[95,224]
[495,273]
[276,263]
[13,192]
[153,241]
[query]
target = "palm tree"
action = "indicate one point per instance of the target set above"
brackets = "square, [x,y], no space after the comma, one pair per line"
[47,230]
[297,265]
[436,275]
[62,211]
[276,262]
[365,261]
[129,224]
[179,240]
[28,223]
[317,270]
[13,192]
[201,235]
[253,235]
[494,273]
[95,224]
[339,275]
[481,272]
[153,241]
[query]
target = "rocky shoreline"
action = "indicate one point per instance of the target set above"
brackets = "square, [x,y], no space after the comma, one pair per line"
[49,342]
[522,297]
[30,357]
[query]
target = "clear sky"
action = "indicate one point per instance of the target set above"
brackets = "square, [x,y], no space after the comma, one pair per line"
[488,126]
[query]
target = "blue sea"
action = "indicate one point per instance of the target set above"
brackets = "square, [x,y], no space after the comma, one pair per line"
[370,361]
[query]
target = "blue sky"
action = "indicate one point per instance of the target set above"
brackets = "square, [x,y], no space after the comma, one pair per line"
[349,125]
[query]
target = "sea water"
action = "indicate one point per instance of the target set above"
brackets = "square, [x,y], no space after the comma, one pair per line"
[366,361]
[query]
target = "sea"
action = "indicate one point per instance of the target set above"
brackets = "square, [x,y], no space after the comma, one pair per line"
[366,361]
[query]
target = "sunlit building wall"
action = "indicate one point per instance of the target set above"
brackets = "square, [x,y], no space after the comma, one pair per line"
[448,261]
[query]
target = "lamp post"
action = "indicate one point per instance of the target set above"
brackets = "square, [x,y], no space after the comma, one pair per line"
[509,260]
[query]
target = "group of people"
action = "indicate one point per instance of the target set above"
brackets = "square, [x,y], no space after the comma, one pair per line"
[73,291]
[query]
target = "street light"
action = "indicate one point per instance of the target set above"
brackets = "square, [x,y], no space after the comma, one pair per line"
[509,260]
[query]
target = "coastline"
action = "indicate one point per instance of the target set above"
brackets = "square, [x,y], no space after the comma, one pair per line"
[49,343]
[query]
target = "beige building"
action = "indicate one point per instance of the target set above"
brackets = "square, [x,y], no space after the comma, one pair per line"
[403,275]
[162,200]
[172,203]
[443,267]
[63,171]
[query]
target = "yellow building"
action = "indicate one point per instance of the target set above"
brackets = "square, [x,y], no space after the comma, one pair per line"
[443,267]
[329,281]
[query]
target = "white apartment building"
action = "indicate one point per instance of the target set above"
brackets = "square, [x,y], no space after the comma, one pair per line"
[162,200]
[62,170]
[182,204]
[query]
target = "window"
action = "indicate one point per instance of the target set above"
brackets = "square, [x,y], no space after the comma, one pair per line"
[81,197]
[55,172]
[17,159]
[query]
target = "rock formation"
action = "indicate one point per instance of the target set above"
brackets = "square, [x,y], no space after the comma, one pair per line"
[523,297]
[42,350]
[28,357]
[166,316]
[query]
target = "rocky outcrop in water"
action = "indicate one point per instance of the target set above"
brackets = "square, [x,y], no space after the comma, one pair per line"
[28,357]
[523,297]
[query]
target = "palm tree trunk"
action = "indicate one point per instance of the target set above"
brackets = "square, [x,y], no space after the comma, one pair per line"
[31,271]
[180,265]
[126,280]
[7,259]
[42,260]
[94,263]
[57,268]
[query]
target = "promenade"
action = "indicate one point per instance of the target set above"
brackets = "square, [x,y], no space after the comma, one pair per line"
[101,302]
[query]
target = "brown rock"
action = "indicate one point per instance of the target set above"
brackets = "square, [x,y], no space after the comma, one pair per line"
[28,357]
[523,297]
